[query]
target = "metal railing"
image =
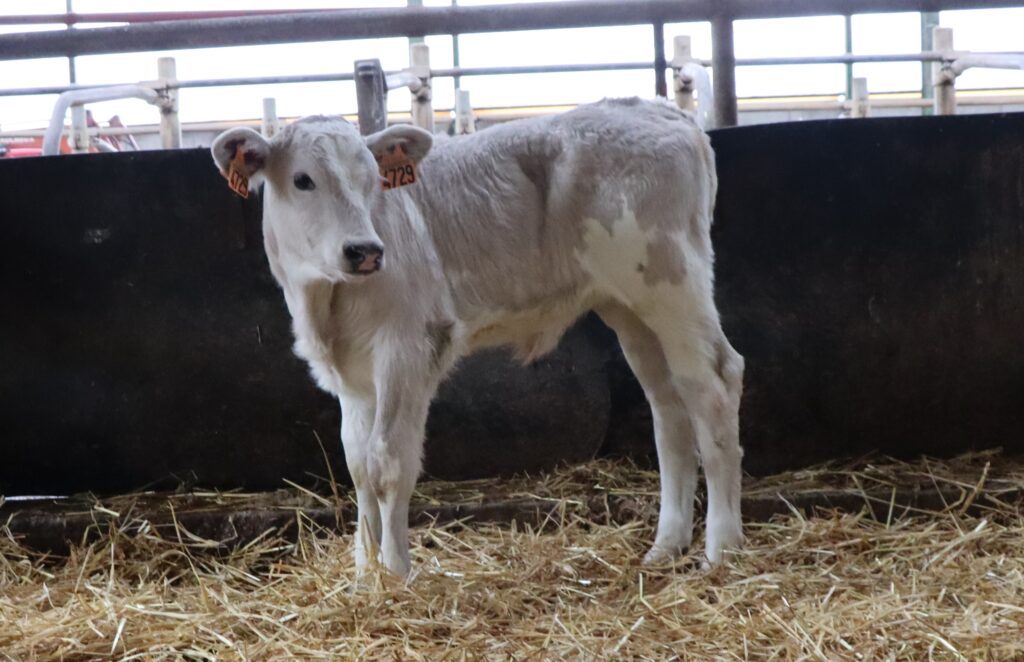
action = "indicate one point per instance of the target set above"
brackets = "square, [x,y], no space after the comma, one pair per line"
[451,72]
[341,24]
[419,21]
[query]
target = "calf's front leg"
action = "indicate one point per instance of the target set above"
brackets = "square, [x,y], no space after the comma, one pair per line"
[357,416]
[395,456]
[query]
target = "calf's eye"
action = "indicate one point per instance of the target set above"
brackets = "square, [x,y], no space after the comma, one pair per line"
[303,182]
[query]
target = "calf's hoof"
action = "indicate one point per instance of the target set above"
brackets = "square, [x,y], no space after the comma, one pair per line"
[661,553]
[721,539]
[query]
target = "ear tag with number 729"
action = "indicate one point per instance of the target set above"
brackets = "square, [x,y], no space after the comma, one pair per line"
[238,181]
[396,168]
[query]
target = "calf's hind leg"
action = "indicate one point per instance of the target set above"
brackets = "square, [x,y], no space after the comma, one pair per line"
[673,433]
[708,375]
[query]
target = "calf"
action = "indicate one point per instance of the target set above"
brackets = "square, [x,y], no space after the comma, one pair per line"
[504,238]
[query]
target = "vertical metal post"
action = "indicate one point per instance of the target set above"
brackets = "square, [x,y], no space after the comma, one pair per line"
[723,63]
[848,24]
[416,4]
[422,98]
[371,96]
[270,124]
[72,74]
[943,79]
[683,87]
[79,139]
[929,21]
[170,124]
[464,120]
[422,108]
[660,66]
[860,103]
[455,52]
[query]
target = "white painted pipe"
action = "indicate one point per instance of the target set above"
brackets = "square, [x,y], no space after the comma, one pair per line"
[682,84]
[696,72]
[270,124]
[403,79]
[422,98]
[170,123]
[944,82]
[51,139]
[464,120]
[103,146]
[79,137]
[860,105]
[986,60]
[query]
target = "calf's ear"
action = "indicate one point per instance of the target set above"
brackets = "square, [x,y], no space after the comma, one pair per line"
[415,141]
[254,147]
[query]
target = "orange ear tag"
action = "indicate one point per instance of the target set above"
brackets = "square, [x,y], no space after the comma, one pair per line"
[237,179]
[396,168]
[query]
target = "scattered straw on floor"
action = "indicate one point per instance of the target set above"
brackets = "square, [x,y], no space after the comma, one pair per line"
[910,586]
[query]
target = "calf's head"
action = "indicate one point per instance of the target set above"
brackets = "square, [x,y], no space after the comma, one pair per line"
[321,182]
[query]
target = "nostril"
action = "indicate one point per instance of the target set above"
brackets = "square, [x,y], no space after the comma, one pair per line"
[364,257]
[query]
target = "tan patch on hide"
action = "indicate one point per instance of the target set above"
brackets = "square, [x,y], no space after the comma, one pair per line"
[665,262]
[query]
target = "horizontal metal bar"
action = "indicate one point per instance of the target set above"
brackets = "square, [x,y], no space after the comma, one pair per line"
[266,80]
[853,58]
[418,21]
[207,82]
[849,58]
[928,56]
[989,60]
[49,89]
[72,18]
[539,69]
[744,9]
[400,79]
[746,105]
[933,56]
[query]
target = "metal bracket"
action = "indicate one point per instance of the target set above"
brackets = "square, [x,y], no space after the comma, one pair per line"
[371,96]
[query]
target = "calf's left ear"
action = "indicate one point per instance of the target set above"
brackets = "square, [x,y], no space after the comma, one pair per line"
[254,147]
[416,142]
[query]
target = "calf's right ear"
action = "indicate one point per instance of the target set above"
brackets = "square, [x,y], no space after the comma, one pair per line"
[254,147]
[415,141]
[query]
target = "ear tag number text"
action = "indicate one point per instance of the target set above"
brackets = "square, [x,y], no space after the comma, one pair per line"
[238,181]
[396,168]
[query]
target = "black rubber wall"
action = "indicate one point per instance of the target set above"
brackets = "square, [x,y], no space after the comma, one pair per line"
[872,273]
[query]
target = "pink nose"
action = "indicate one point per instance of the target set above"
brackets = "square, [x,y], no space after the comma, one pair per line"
[364,258]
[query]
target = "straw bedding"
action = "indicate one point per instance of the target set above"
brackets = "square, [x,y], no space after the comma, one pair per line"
[904,585]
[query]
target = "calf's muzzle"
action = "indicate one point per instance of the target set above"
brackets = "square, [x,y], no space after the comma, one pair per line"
[364,258]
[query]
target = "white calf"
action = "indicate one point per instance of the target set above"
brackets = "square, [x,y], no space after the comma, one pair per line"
[504,237]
